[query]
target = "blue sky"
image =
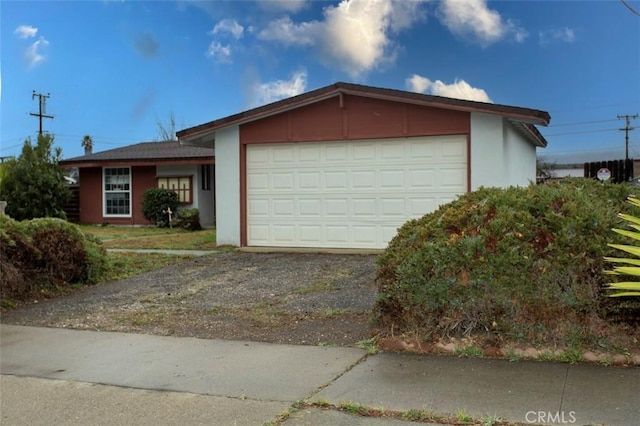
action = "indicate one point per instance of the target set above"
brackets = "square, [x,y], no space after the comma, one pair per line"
[115,68]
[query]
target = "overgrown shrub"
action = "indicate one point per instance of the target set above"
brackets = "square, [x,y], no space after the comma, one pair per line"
[33,184]
[188,219]
[42,254]
[155,202]
[525,263]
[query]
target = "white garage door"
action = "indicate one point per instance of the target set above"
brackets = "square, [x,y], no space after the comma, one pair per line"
[348,194]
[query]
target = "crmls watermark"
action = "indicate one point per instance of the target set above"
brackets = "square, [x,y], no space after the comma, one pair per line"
[547,417]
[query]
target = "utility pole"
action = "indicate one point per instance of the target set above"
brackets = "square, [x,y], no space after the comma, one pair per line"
[626,129]
[42,111]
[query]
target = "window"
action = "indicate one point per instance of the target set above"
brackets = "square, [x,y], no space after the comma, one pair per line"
[117,191]
[181,185]
[205,177]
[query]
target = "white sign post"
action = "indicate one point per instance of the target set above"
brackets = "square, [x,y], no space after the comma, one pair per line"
[604,174]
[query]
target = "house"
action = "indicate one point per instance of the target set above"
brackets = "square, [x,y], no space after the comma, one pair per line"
[345,165]
[111,183]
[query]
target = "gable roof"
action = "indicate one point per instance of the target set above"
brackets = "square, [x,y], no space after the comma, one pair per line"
[526,116]
[143,152]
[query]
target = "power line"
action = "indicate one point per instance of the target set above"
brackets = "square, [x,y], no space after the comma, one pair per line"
[580,132]
[635,12]
[582,122]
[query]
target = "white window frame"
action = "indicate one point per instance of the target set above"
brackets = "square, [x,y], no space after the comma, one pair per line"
[104,193]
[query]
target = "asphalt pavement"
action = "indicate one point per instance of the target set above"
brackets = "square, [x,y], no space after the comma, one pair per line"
[73,377]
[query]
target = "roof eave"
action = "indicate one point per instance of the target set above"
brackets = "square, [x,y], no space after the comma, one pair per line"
[207,130]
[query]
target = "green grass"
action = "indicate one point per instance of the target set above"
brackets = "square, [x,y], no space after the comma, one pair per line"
[369,345]
[129,237]
[470,352]
[127,265]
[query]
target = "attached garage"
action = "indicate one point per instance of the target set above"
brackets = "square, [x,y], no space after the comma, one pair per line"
[346,165]
[348,195]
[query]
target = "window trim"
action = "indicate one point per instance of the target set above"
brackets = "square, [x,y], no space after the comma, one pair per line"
[104,192]
[178,191]
[206,170]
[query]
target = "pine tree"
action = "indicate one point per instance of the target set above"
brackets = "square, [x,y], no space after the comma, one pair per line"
[33,184]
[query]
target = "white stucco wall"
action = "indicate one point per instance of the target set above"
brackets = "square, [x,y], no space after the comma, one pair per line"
[520,157]
[487,151]
[202,200]
[227,182]
[500,155]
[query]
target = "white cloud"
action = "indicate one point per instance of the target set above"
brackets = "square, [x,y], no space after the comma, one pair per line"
[33,53]
[265,93]
[292,6]
[289,33]
[460,89]
[472,19]
[355,35]
[219,52]
[26,31]
[565,35]
[230,26]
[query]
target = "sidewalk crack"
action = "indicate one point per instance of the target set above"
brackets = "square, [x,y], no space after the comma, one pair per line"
[564,387]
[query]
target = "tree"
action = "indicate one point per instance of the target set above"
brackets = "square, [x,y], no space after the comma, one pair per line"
[167,132]
[33,184]
[87,143]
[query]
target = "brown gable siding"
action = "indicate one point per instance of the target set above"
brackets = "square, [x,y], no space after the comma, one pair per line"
[352,118]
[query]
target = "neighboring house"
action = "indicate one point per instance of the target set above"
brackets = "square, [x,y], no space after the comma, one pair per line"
[567,170]
[344,166]
[111,183]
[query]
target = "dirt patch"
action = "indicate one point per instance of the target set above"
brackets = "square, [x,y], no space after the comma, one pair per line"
[268,297]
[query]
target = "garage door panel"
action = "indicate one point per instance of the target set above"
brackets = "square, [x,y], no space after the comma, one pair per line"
[309,153]
[337,235]
[392,179]
[364,152]
[258,207]
[352,195]
[392,207]
[283,234]
[310,233]
[422,179]
[420,150]
[282,155]
[336,180]
[452,178]
[364,234]
[362,179]
[364,207]
[284,207]
[309,180]
[259,234]
[257,181]
[391,151]
[309,207]
[336,207]
[336,153]
[453,151]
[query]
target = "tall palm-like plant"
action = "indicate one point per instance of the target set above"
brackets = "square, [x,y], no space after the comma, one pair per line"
[631,267]
[87,143]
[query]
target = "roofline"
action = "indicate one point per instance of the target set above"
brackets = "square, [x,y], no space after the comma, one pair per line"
[67,164]
[525,115]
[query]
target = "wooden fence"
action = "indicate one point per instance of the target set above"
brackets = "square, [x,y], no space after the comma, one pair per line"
[72,207]
[621,170]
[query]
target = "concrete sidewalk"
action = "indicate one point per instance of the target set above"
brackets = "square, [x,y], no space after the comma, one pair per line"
[118,378]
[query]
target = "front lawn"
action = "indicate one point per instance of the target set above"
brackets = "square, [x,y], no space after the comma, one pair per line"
[127,237]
